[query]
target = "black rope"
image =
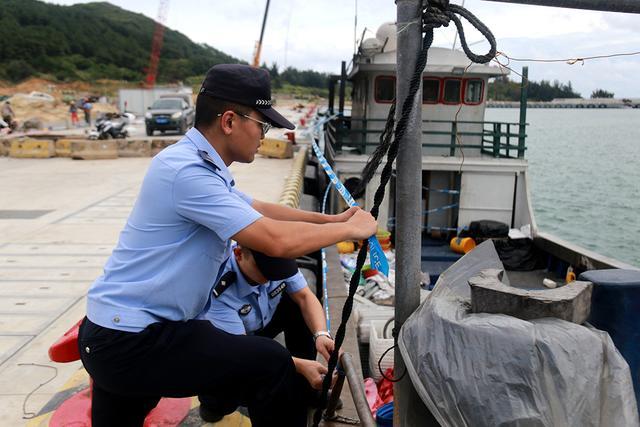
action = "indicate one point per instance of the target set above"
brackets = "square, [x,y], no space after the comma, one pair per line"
[437,13]
[376,158]
[393,380]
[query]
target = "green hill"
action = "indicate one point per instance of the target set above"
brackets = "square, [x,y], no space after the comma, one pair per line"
[92,41]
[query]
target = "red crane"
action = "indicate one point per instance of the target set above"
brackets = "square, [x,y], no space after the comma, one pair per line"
[156,46]
[256,55]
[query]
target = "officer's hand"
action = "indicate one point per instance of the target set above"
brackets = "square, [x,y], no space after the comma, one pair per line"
[344,216]
[324,346]
[363,225]
[313,371]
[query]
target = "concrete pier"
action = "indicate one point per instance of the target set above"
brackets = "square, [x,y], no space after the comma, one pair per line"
[59,221]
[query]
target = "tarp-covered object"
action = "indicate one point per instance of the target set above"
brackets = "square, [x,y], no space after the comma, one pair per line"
[496,370]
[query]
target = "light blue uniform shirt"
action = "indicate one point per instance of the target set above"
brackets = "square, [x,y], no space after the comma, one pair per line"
[175,242]
[244,309]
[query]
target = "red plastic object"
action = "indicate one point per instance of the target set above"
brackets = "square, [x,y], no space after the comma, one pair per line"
[76,411]
[291,136]
[66,348]
[369,273]
[371,393]
[385,387]
[302,121]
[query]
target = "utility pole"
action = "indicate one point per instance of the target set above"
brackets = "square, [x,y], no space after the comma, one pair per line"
[408,409]
[256,55]
[627,6]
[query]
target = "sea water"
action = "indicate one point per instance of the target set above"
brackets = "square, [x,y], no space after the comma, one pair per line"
[584,169]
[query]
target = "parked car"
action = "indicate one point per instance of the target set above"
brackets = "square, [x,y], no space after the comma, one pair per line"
[170,112]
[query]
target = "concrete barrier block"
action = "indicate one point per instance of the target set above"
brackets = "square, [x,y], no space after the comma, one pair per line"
[63,147]
[5,147]
[134,147]
[28,148]
[157,145]
[278,148]
[94,150]
[489,294]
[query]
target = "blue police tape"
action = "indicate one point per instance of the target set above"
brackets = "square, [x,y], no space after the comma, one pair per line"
[377,257]
[325,268]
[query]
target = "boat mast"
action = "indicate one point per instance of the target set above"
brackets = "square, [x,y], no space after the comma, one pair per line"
[628,6]
[409,409]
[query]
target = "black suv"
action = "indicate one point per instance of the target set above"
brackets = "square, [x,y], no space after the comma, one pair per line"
[170,112]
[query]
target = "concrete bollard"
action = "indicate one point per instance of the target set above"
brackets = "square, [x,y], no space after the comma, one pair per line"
[489,295]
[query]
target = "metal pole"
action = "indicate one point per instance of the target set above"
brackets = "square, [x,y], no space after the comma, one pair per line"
[332,93]
[356,387]
[408,201]
[627,6]
[343,84]
[522,128]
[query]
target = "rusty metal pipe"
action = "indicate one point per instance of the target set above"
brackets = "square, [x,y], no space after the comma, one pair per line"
[357,391]
[625,6]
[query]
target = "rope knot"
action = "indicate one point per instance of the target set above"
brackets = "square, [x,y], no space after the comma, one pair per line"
[435,14]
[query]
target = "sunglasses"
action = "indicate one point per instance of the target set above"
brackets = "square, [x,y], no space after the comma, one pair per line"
[266,126]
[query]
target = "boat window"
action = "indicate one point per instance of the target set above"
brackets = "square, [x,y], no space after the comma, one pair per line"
[473,92]
[385,89]
[430,91]
[452,91]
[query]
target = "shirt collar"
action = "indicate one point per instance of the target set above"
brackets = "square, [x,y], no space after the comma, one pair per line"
[243,288]
[211,156]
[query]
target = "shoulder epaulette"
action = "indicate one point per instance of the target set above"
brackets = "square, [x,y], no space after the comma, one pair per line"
[207,158]
[227,279]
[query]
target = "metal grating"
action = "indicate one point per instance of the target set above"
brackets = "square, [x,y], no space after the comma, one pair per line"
[22,214]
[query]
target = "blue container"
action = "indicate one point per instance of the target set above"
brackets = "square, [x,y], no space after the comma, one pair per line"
[615,308]
[384,415]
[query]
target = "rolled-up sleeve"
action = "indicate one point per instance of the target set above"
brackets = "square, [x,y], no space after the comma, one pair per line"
[204,198]
[296,283]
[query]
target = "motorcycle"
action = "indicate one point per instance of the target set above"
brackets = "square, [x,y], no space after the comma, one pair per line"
[8,127]
[112,125]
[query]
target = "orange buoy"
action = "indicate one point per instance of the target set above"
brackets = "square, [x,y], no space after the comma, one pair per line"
[462,245]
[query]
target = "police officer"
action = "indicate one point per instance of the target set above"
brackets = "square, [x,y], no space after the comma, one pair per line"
[141,340]
[262,295]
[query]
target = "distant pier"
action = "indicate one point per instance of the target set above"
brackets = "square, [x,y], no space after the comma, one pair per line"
[571,103]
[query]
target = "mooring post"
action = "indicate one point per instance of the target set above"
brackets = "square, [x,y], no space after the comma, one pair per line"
[408,408]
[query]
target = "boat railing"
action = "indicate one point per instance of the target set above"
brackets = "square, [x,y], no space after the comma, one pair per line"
[496,139]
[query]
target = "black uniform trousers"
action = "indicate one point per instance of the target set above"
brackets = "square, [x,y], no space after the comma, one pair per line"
[132,371]
[299,341]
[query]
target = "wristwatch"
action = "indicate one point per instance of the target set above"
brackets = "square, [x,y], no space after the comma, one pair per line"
[321,334]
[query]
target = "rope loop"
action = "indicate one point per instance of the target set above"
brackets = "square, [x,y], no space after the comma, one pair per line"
[438,13]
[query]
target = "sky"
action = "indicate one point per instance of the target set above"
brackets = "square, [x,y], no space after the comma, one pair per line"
[319,34]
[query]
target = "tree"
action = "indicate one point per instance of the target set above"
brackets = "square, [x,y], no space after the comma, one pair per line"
[601,93]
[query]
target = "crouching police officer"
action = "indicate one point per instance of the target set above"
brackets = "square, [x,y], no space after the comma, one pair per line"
[141,340]
[264,296]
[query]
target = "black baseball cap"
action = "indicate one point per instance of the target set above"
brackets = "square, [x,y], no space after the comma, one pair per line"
[246,85]
[275,268]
